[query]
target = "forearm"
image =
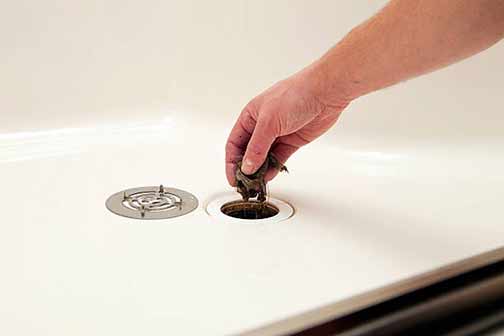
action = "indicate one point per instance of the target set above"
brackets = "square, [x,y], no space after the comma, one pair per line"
[406,39]
[409,38]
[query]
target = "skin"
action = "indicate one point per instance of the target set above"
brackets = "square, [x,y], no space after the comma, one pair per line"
[254,185]
[404,40]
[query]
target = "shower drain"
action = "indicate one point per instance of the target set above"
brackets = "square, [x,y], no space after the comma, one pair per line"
[227,208]
[152,203]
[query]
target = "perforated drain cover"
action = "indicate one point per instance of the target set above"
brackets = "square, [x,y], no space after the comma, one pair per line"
[152,203]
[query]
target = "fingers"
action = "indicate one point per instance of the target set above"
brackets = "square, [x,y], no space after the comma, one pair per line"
[237,143]
[282,152]
[265,132]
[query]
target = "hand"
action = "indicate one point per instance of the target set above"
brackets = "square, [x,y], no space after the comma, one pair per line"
[285,117]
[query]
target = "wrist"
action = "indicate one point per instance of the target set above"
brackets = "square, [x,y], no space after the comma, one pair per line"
[329,85]
[335,78]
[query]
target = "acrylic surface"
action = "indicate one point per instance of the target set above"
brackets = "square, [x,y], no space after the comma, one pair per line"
[98,97]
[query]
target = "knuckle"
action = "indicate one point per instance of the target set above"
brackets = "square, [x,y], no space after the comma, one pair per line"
[230,147]
[251,109]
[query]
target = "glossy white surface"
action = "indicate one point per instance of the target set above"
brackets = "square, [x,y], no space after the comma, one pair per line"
[102,96]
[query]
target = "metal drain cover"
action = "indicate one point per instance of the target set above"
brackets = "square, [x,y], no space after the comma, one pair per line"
[152,203]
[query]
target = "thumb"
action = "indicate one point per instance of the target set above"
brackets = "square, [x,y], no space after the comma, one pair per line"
[263,136]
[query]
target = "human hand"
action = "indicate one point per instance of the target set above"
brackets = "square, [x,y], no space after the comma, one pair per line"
[287,116]
[382,51]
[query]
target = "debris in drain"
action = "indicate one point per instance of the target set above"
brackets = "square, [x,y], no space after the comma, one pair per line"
[249,209]
[251,186]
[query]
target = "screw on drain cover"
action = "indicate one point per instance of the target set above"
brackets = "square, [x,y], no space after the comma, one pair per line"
[152,203]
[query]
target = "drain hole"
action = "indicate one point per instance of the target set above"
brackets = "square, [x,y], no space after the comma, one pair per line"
[249,210]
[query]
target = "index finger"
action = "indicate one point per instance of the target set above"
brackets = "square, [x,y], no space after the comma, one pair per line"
[237,143]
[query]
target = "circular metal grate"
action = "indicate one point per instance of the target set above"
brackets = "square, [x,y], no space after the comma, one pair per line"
[152,203]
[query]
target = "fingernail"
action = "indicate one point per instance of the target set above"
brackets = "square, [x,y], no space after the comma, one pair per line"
[247,167]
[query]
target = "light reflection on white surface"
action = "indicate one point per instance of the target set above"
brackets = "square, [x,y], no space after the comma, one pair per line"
[368,212]
[22,146]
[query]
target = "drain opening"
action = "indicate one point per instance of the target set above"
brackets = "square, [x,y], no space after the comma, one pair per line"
[249,210]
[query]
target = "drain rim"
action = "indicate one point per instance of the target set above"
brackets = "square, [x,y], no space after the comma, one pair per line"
[213,208]
[188,203]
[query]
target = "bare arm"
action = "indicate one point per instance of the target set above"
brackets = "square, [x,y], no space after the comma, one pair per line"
[410,38]
[405,39]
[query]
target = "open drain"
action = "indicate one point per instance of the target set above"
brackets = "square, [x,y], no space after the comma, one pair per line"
[249,210]
[152,203]
[227,208]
